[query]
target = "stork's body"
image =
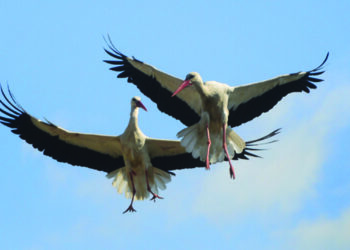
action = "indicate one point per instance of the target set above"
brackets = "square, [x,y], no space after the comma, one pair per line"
[138,168]
[133,146]
[210,139]
[208,109]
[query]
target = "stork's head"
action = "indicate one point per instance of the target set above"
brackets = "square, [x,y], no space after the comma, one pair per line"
[136,103]
[192,78]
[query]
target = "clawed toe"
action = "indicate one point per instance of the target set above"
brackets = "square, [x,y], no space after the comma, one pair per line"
[130,209]
[232,174]
[207,166]
[155,196]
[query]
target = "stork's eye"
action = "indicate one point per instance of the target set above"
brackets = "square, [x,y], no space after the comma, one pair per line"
[134,99]
[189,77]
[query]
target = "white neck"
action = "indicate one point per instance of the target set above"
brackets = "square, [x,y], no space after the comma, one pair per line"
[201,88]
[133,121]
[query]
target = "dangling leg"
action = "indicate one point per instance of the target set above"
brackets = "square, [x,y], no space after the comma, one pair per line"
[149,190]
[208,151]
[130,208]
[232,172]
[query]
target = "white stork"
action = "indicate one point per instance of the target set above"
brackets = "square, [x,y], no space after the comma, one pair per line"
[207,108]
[139,165]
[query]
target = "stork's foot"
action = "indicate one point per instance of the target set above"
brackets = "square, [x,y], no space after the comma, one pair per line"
[232,173]
[224,145]
[155,196]
[208,149]
[130,209]
[207,165]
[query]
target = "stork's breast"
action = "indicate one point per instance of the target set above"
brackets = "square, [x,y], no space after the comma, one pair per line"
[214,106]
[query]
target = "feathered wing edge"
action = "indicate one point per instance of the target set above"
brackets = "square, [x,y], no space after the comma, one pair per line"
[308,81]
[154,84]
[20,122]
[255,106]
[251,146]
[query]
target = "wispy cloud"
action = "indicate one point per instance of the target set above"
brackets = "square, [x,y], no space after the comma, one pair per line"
[322,233]
[280,182]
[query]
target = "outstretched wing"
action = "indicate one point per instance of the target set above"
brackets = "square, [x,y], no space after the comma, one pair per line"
[252,146]
[158,86]
[170,155]
[97,152]
[249,101]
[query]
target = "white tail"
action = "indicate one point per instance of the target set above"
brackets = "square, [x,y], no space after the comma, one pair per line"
[194,139]
[157,180]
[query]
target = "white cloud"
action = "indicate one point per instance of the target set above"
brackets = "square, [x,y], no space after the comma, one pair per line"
[323,233]
[280,182]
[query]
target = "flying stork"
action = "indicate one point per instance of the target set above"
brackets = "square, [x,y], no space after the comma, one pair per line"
[140,165]
[209,109]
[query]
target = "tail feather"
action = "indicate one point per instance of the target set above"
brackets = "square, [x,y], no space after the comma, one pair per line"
[187,139]
[217,153]
[192,143]
[157,179]
[185,131]
[237,142]
[121,181]
[194,140]
[196,152]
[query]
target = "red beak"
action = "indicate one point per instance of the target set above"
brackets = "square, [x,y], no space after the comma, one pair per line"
[182,86]
[140,105]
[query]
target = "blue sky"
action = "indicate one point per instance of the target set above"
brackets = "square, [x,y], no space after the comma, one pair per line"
[296,197]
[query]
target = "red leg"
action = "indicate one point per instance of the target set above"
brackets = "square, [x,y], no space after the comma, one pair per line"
[208,151]
[130,208]
[155,196]
[232,172]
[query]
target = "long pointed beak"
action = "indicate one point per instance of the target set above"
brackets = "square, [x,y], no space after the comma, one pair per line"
[140,105]
[182,86]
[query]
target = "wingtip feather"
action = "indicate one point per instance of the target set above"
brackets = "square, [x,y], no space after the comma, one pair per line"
[321,65]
